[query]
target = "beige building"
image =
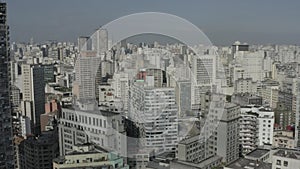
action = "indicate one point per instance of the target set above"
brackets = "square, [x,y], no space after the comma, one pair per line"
[283,139]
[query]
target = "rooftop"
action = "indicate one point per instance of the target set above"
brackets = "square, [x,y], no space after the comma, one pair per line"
[202,164]
[257,153]
[247,163]
[287,153]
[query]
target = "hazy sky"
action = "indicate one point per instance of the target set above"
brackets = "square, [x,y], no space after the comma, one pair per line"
[223,21]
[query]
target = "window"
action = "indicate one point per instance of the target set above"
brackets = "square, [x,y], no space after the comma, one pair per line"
[285,163]
[278,162]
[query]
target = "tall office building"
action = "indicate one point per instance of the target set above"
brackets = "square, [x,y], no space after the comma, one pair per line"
[297,119]
[99,41]
[204,73]
[86,73]
[228,133]
[204,69]
[6,137]
[154,111]
[102,40]
[83,43]
[33,104]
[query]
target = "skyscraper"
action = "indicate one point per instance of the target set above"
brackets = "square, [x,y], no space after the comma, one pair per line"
[6,137]
[102,40]
[154,112]
[33,94]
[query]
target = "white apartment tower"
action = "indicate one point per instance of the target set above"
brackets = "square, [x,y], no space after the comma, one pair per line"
[248,131]
[265,123]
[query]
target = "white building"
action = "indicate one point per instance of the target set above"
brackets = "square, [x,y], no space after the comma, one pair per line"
[248,131]
[120,85]
[154,111]
[265,123]
[103,128]
[106,93]
[203,75]
[286,159]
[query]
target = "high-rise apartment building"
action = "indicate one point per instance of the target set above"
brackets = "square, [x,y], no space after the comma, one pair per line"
[6,137]
[248,132]
[265,123]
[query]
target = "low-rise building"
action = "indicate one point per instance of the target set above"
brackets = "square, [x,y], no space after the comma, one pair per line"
[283,139]
[88,156]
[286,159]
[247,163]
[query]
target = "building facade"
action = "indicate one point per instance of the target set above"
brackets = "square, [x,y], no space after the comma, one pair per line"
[6,133]
[228,133]
[154,111]
[104,128]
[38,152]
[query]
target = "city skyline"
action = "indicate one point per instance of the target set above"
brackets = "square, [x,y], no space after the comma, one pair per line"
[267,22]
[149,85]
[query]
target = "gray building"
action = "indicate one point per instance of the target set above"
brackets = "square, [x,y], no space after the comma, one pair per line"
[228,133]
[48,73]
[38,152]
[183,96]
[33,104]
[6,138]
